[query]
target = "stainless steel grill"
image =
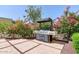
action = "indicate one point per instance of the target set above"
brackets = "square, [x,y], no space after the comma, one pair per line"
[44,35]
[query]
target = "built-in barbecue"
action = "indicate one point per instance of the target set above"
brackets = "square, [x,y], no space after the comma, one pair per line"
[45,34]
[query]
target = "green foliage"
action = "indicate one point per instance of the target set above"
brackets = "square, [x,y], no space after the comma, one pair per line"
[4,26]
[45,26]
[24,31]
[75,40]
[76,28]
[20,29]
[64,26]
[12,30]
[72,14]
[77,17]
[33,13]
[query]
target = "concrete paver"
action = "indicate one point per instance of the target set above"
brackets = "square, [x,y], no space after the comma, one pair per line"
[9,50]
[4,44]
[30,47]
[41,49]
[26,46]
[2,40]
[17,41]
[54,45]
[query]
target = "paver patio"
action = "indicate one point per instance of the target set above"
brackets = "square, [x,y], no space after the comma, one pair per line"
[27,46]
[42,49]
[9,50]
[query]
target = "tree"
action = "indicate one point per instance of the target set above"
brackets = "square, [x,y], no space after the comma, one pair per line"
[33,13]
[66,10]
[64,26]
[68,24]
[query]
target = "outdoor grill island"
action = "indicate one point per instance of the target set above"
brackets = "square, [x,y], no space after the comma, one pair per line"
[45,34]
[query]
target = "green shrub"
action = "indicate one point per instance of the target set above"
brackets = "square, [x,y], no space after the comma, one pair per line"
[4,25]
[76,28]
[20,29]
[75,40]
[23,30]
[12,30]
[65,27]
[45,26]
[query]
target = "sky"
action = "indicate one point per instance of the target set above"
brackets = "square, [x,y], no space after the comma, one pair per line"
[18,11]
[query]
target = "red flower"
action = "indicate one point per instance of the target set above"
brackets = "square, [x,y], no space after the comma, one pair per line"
[72,20]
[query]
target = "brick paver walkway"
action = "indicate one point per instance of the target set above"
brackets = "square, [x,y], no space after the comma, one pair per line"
[24,46]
